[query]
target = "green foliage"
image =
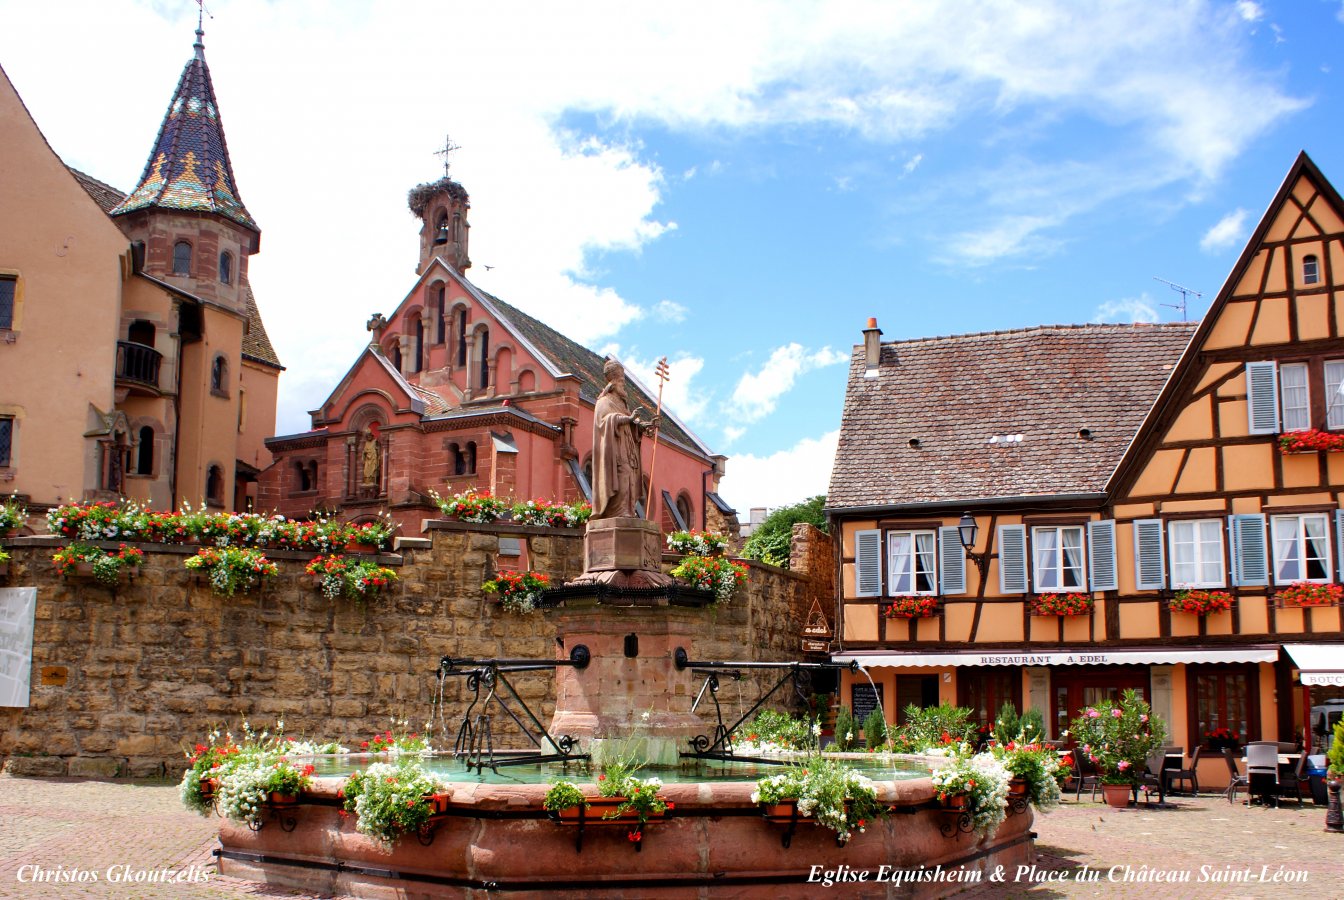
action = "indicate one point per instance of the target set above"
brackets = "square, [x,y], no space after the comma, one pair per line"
[1032,725]
[834,794]
[936,726]
[875,729]
[1119,736]
[563,795]
[845,729]
[1336,754]
[390,799]
[780,728]
[769,542]
[1007,725]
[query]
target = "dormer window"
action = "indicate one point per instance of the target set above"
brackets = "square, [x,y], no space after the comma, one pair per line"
[182,258]
[226,268]
[1311,270]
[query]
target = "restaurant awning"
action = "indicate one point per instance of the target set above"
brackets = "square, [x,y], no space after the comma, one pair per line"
[1085,657]
[1318,663]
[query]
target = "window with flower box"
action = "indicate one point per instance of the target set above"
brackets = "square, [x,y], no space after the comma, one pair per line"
[912,563]
[1295,396]
[1301,546]
[902,559]
[1196,549]
[1057,558]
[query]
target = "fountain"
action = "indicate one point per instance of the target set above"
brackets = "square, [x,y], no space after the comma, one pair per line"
[624,660]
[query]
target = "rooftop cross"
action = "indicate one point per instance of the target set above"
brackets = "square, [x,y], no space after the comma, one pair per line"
[447,152]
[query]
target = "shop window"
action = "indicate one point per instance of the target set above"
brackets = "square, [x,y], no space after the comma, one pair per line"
[983,690]
[1223,697]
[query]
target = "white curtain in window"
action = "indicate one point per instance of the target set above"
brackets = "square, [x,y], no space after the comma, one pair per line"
[1184,565]
[1073,556]
[924,546]
[1047,558]
[1316,547]
[1210,535]
[1287,564]
[898,564]
[1296,409]
[1334,394]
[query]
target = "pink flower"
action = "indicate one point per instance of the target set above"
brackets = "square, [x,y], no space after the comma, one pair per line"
[1093,714]
[1143,718]
[1116,713]
[1122,765]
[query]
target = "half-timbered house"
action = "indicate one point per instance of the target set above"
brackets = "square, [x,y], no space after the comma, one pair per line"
[1037,516]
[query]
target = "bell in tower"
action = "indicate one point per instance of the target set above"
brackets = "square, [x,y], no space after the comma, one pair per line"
[442,208]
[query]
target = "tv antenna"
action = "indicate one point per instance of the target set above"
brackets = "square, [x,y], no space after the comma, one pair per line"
[1185,293]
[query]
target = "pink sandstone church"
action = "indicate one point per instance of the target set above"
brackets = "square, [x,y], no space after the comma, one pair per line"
[459,390]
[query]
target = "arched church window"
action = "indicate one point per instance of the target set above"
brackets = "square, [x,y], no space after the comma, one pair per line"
[226,267]
[182,258]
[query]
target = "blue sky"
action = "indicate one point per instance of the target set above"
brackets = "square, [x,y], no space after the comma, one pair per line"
[736,186]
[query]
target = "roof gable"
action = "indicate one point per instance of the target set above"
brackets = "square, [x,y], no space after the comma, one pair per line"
[998,415]
[373,372]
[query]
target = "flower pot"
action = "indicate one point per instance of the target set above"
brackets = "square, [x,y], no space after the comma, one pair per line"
[1017,787]
[784,812]
[601,811]
[438,803]
[358,547]
[953,801]
[1117,795]
[276,798]
[208,786]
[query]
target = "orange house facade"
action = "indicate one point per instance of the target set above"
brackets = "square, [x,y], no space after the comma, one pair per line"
[1156,507]
[458,390]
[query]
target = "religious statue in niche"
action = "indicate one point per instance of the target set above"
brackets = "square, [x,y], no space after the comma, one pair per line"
[617,433]
[372,456]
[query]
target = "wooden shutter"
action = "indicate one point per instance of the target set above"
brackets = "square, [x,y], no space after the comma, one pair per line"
[1262,397]
[868,563]
[1012,559]
[1101,550]
[1148,563]
[1339,541]
[1250,556]
[951,561]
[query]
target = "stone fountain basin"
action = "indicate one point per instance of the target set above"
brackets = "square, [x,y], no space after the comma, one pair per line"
[496,840]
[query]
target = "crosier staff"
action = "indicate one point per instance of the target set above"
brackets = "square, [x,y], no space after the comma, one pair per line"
[661,372]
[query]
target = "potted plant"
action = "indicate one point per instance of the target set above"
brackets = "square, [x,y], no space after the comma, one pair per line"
[975,784]
[821,790]
[1222,739]
[231,569]
[1310,593]
[1117,738]
[712,573]
[392,799]
[913,607]
[1073,604]
[471,506]
[519,592]
[1035,769]
[106,568]
[200,781]
[370,537]
[546,513]
[13,515]
[404,742]
[1199,602]
[699,543]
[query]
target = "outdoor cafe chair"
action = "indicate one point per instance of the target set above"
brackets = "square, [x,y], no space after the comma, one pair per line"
[1235,779]
[1294,781]
[1262,770]
[1191,775]
[1083,780]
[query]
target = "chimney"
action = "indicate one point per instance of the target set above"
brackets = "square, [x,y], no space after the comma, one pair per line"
[872,348]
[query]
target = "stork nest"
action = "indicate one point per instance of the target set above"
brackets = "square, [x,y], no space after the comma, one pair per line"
[419,196]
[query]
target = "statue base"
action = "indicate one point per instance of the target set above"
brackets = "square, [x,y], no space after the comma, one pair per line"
[623,552]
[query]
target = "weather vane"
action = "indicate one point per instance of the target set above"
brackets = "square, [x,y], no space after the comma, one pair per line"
[448,147]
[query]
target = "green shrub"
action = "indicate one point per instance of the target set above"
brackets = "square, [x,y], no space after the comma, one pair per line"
[1336,754]
[1006,724]
[846,732]
[936,726]
[1032,726]
[875,729]
[769,542]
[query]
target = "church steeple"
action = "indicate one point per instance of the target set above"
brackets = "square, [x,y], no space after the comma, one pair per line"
[188,168]
[441,206]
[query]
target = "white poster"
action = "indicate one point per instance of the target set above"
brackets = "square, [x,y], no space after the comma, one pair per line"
[17,609]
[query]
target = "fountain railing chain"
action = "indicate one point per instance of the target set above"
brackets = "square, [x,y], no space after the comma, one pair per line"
[719,745]
[488,681]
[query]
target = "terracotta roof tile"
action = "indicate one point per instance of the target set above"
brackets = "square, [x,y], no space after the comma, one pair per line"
[256,342]
[105,195]
[965,398]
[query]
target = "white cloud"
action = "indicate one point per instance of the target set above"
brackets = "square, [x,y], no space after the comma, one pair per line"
[844,183]
[1229,231]
[679,393]
[756,393]
[1131,309]
[778,479]
[911,164]
[1250,11]
[669,311]
[731,433]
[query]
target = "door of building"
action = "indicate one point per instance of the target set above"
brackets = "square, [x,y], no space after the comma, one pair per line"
[1074,688]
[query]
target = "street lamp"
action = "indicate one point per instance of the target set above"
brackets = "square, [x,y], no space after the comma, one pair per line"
[968,530]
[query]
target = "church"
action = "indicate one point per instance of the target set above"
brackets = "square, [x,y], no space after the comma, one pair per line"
[459,390]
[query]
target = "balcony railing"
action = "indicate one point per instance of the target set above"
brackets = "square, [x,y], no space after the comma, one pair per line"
[138,363]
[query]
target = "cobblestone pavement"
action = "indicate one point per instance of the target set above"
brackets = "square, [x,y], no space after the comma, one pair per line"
[118,829]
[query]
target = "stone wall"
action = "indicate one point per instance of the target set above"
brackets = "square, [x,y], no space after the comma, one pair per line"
[124,679]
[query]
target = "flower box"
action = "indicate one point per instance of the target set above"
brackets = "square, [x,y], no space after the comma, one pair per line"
[784,813]
[1312,440]
[952,801]
[438,803]
[1201,603]
[208,786]
[1303,594]
[1074,604]
[602,811]
[913,608]
[358,547]
[1017,787]
[276,798]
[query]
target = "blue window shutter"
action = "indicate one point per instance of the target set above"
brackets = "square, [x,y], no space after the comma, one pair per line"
[1013,559]
[1149,570]
[1250,555]
[1339,541]
[1101,547]
[868,563]
[1262,397]
[952,561]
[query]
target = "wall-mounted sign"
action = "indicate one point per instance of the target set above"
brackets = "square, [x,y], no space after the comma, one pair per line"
[817,626]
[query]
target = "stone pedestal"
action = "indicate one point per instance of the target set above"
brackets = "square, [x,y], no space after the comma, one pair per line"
[623,552]
[632,687]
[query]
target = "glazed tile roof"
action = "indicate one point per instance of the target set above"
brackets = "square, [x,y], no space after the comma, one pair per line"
[573,358]
[189,167]
[966,399]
